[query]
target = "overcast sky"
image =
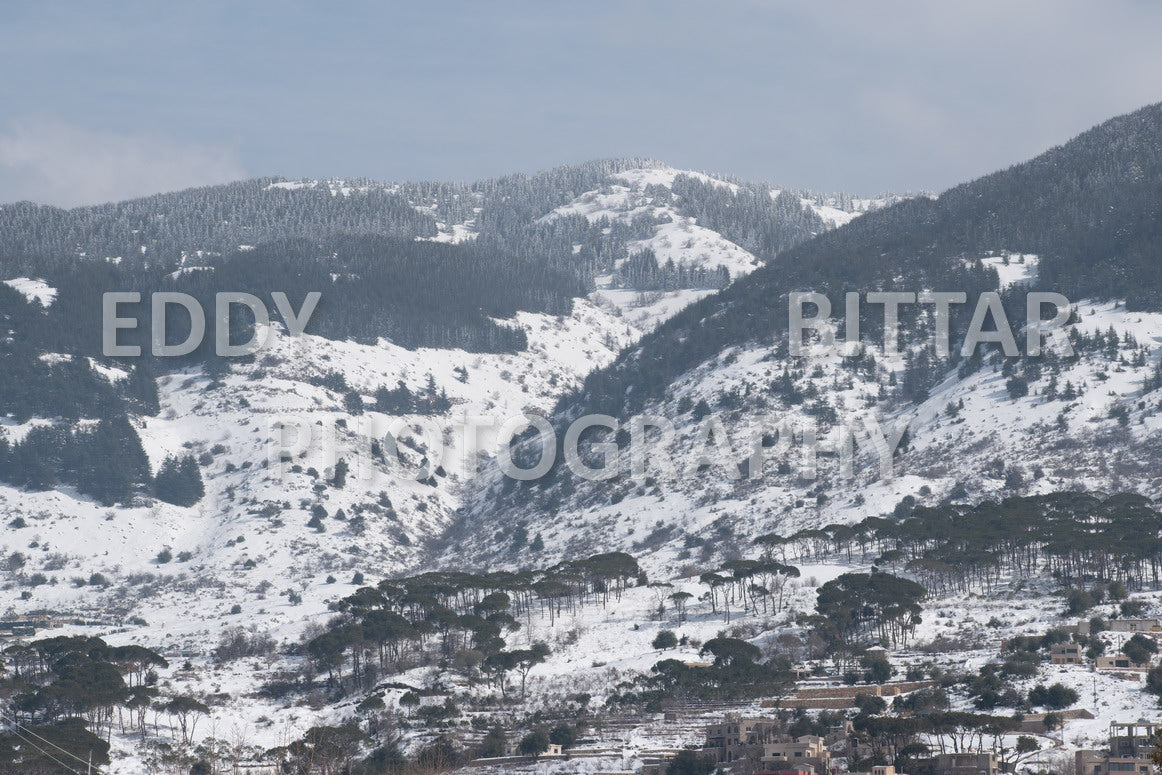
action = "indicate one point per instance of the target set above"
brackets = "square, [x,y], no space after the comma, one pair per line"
[98,104]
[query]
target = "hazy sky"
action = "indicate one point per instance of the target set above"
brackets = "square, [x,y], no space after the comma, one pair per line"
[97,104]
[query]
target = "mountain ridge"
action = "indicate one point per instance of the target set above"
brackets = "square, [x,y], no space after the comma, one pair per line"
[729,351]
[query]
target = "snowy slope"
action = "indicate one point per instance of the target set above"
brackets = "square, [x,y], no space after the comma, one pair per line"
[233,424]
[247,542]
[680,238]
[840,210]
[176,578]
[1052,443]
[33,290]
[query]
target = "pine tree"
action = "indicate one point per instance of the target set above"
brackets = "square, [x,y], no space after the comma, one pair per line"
[179,481]
[141,388]
[340,478]
[109,461]
[353,403]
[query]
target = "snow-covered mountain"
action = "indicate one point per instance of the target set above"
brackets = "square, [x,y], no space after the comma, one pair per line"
[978,428]
[620,287]
[246,545]
[1090,424]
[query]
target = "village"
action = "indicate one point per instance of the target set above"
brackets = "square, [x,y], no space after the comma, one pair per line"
[767,737]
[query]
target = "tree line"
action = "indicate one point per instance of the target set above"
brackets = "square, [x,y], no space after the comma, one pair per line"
[1075,537]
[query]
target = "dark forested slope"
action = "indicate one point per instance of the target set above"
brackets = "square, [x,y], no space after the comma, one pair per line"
[1092,209]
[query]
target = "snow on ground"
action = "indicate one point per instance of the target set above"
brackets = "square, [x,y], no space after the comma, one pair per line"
[832,215]
[246,544]
[598,646]
[839,211]
[111,373]
[682,240]
[15,432]
[247,540]
[593,648]
[679,238]
[33,290]
[664,176]
[1014,269]
[1054,444]
[456,232]
[646,310]
[336,186]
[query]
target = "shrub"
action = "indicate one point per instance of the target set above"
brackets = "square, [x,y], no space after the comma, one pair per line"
[493,744]
[564,735]
[238,644]
[371,703]
[1140,648]
[1054,697]
[534,743]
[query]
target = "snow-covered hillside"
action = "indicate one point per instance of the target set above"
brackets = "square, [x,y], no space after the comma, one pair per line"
[1087,423]
[277,540]
[246,542]
[678,238]
[249,532]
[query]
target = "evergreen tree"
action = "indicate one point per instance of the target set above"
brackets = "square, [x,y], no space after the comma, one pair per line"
[353,403]
[340,478]
[179,481]
[141,388]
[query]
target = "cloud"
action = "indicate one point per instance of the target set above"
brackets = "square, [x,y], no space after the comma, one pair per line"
[51,162]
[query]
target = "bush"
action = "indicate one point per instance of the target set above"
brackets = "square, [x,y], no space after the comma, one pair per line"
[1018,387]
[1079,601]
[870,705]
[1140,648]
[238,644]
[534,743]
[564,735]
[1131,608]
[878,670]
[1054,697]
[371,703]
[494,743]
[1021,664]
[1154,681]
[665,639]
[691,763]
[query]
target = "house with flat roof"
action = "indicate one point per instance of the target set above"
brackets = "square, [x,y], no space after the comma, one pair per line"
[1065,654]
[1129,750]
[729,739]
[809,750]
